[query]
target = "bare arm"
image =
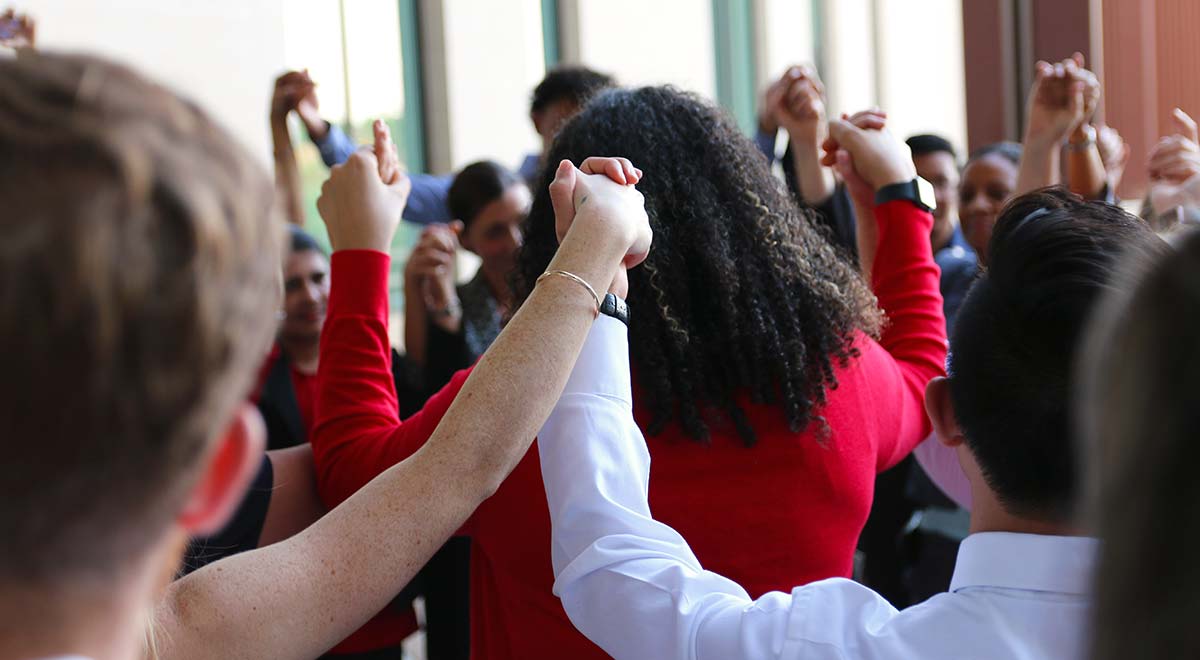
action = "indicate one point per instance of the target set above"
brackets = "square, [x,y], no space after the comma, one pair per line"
[287,173]
[294,501]
[1064,96]
[333,576]
[1086,175]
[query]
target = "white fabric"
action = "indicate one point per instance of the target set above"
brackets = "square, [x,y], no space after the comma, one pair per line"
[633,586]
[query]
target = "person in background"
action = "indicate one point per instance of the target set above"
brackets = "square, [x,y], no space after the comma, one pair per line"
[1022,584]
[558,97]
[295,91]
[144,268]
[18,32]
[796,103]
[740,326]
[447,328]
[1138,411]
[989,179]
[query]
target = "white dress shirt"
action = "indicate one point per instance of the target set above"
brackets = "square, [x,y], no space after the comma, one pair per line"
[633,586]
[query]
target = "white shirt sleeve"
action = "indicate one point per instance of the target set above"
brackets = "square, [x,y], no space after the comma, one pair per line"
[631,584]
[941,464]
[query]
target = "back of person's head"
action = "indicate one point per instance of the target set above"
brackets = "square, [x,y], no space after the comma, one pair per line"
[302,241]
[476,186]
[138,282]
[926,143]
[1139,412]
[1016,337]
[574,85]
[1009,151]
[741,293]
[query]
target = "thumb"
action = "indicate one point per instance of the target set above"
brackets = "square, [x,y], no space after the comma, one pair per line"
[843,132]
[562,193]
[1185,124]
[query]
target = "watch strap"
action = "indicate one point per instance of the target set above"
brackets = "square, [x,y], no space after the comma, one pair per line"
[615,307]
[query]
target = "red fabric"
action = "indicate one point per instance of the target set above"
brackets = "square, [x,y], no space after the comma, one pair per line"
[390,627]
[783,513]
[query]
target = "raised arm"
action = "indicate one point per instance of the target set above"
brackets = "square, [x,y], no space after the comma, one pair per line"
[630,583]
[903,276]
[801,111]
[289,88]
[333,576]
[1063,97]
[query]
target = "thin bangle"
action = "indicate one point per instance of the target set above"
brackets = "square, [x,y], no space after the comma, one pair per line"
[574,278]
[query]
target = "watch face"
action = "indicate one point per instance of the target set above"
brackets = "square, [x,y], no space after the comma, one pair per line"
[925,192]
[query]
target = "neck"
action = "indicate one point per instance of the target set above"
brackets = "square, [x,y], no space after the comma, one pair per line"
[101,622]
[303,351]
[989,515]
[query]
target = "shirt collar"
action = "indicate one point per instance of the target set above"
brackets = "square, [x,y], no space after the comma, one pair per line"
[1032,562]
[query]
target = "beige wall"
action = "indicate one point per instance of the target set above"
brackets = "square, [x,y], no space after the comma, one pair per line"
[222,54]
[784,37]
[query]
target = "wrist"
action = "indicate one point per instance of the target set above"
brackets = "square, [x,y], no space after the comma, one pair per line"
[317,128]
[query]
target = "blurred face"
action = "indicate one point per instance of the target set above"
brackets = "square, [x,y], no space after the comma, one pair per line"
[305,293]
[495,234]
[940,170]
[987,183]
[551,119]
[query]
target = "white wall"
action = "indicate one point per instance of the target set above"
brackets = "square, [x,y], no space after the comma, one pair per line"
[224,55]
[784,37]
[493,60]
[644,42]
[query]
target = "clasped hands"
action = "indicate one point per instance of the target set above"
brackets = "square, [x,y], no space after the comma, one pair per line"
[364,197]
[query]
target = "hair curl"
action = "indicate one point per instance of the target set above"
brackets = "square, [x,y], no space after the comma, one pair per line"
[741,293]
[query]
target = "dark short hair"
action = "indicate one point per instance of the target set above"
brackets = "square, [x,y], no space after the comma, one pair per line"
[1010,151]
[476,186]
[1051,256]
[301,241]
[576,84]
[928,143]
[136,286]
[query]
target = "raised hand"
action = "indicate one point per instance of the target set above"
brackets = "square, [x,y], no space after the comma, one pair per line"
[601,192]
[1114,152]
[1176,157]
[430,270]
[289,89]
[1063,98]
[878,157]
[17,31]
[360,210]
[800,108]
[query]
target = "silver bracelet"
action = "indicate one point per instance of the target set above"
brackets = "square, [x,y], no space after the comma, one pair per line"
[574,278]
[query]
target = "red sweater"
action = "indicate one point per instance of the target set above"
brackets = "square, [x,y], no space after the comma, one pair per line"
[783,513]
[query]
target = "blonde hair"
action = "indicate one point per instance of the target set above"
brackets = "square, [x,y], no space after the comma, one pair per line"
[138,272]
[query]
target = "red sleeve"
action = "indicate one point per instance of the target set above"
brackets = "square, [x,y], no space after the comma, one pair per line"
[905,280]
[358,433]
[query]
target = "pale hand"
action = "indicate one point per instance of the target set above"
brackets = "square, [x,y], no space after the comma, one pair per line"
[603,191]
[1063,98]
[801,107]
[875,154]
[360,211]
[430,267]
[23,32]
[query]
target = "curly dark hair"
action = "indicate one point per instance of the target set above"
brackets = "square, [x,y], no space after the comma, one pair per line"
[741,293]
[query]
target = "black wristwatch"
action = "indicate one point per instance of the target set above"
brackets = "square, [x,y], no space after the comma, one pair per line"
[918,191]
[615,307]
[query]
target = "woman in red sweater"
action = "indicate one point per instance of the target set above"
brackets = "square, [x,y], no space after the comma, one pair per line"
[768,402]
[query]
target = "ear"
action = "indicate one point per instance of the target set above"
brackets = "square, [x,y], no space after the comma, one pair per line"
[940,409]
[230,467]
